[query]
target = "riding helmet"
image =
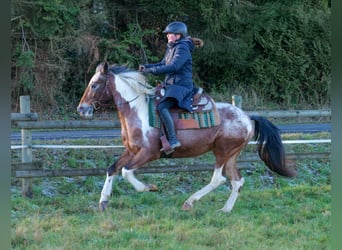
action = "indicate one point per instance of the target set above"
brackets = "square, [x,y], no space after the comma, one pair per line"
[177,28]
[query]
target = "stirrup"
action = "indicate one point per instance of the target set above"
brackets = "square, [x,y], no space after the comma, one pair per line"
[175,145]
[166,147]
[169,149]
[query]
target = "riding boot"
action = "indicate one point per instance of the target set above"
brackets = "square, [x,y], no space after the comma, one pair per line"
[167,121]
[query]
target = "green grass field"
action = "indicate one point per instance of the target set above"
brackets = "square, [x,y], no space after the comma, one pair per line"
[270,213]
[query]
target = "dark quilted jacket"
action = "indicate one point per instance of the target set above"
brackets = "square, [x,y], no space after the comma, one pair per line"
[177,67]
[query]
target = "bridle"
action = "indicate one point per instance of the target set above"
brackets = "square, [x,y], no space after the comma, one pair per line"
[98,104]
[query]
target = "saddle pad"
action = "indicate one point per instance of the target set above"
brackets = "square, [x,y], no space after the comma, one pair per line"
[205,119]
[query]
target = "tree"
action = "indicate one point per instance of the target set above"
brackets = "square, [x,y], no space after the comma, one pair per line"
[278,51]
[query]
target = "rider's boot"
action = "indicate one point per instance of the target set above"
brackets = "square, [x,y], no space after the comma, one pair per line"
[167,121]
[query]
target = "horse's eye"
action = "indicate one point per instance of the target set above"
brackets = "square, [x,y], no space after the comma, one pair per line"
[93,86]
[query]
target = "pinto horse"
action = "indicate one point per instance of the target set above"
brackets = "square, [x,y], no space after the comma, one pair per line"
[129,89]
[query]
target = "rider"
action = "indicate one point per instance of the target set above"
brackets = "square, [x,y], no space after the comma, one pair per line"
[177,67]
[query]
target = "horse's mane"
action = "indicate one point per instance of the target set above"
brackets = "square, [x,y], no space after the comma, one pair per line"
[131,77]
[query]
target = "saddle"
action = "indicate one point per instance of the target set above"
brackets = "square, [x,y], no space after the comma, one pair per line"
[204,113]
[201,101]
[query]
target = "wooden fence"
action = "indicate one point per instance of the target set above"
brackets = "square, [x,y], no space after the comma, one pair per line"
[27,121]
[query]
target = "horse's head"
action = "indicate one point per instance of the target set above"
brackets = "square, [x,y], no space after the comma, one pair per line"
[97,93]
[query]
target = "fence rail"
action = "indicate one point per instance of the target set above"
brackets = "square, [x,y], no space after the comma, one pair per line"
[35,170]
[24,121]
[28,121]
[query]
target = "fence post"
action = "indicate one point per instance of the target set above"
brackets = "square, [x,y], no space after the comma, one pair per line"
[26,152]
[237,101]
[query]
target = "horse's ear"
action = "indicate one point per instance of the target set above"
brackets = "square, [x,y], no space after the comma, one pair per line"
[104,69]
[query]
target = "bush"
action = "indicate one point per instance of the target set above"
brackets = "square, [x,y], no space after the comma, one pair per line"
[276,51]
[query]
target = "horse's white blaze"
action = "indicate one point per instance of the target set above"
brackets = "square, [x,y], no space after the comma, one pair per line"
[236,185]
[129,176]
[107,188]
[86,109]
[216,180]
[95,76]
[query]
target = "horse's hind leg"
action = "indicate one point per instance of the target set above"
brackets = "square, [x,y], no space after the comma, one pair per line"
[216,180]
[236,182]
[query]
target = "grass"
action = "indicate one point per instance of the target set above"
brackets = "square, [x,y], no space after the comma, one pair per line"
[291,218]
[270,213]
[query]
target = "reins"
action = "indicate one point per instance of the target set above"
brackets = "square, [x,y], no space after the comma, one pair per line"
[127,102]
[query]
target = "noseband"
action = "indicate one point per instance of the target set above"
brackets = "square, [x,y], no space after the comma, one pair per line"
[97,105]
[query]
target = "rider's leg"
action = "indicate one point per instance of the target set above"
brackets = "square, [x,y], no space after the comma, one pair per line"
[167,121]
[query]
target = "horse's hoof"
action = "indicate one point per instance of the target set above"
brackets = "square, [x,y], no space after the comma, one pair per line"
[186,207]
[103,206]
[222,211]
[152,188]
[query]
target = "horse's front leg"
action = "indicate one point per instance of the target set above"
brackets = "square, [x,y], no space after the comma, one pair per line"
[127,164]
[108,185]
[106,192]
[140,158]
[128,174]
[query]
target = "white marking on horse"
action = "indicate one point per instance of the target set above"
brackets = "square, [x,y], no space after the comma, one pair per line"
[87,109]
[236,185]
[107,188]
[216,180]
[241,119]
[139,104]
[129,176]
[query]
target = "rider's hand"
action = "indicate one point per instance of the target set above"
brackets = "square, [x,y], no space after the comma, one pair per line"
[145,70]
[141,68]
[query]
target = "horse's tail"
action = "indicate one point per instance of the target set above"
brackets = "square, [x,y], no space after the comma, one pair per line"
[270,147]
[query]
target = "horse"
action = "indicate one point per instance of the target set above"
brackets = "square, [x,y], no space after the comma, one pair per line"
[129,91]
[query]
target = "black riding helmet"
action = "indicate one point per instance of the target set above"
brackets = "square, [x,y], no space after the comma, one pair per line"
[177,28]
